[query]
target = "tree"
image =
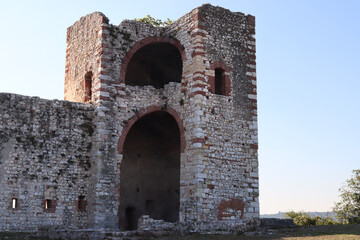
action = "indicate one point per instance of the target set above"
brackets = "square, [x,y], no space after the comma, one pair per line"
[348,209]
[155,22]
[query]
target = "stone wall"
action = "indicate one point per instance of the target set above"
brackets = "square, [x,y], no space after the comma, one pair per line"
[230,122]
[276,223]
[219,168]
[83,55]
[218,130]
[45,155]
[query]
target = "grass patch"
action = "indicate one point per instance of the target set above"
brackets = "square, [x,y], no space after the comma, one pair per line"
[328,232]
[351,231]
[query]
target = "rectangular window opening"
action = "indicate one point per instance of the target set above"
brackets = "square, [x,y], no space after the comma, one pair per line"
[14,203]
[219,81]
[49,205]
[82,203]
[88,86]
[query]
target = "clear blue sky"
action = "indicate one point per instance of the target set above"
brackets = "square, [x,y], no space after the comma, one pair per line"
[308,81]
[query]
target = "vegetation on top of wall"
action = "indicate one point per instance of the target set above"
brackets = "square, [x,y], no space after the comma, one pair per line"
[155,22]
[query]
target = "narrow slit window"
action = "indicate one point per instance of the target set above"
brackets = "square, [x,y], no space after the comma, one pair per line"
[88,86]
[49,205]
[82,204]
[219,81]
[14,203]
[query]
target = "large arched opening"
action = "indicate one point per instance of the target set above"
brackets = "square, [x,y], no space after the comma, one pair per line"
[155,64]
[150,170]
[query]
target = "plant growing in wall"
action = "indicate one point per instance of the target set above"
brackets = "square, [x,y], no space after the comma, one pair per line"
[155,22]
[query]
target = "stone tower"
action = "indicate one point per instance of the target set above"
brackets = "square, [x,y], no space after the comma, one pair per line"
[165,124]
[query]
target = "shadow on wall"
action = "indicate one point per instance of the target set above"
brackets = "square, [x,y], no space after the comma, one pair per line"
[150,171]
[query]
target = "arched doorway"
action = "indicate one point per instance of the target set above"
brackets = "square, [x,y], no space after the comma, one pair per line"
[150,170]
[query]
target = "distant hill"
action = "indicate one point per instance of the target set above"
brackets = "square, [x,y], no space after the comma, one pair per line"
[312,214]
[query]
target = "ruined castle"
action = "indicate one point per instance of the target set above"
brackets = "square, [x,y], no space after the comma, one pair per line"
[158,126]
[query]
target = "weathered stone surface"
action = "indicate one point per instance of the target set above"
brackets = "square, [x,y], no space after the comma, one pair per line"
[45,154]
[64,151]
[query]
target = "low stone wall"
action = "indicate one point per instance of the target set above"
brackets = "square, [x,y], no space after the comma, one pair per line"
[276,222]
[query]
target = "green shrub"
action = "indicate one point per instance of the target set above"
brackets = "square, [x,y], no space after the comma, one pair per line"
[292,214]
[155,22]
[329,221]
[304,219]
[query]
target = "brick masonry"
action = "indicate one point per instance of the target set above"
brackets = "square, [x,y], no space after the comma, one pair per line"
[62,150]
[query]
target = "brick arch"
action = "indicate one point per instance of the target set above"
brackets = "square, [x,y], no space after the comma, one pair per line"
[146,111]
[222,65]
[144,42]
